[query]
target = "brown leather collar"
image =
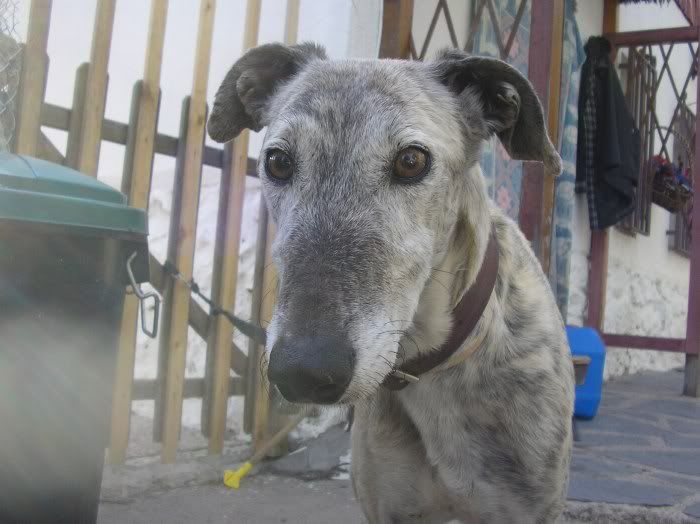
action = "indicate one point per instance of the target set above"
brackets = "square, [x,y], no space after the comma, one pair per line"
[466,314]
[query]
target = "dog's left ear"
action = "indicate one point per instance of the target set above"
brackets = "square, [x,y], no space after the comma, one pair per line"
[243,96]
[511,108]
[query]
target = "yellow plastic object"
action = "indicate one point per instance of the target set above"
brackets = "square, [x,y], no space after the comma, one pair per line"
[232,478]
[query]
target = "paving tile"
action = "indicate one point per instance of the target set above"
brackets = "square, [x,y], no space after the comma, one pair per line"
[684,481]
[677,461]
[594,439]
[683,441]
[693,510]
[613,423]
[680,407]
[588,465]
[684,425]
[624,492]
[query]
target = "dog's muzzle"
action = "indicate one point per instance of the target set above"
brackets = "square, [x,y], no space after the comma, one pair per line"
[314,370]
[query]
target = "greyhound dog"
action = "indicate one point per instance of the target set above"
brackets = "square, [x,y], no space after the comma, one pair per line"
[402,289]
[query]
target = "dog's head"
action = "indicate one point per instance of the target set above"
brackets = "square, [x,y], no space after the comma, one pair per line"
[367,169]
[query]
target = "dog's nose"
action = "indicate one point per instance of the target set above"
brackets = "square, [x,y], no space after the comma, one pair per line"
[316,370]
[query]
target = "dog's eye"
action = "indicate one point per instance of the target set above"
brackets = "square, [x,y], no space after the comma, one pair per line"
[278,164]
[411,163]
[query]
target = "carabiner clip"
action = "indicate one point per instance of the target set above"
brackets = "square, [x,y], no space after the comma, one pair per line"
[142,300]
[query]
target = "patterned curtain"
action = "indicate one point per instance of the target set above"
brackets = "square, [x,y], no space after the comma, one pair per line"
[504,176]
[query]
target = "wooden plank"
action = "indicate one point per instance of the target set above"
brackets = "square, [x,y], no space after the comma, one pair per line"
[264,417]
[553,106]
[47,151]
[33,78]
[96,89]
[638,342]
[136,181]
[76,116]
[184,237]
[166,286]
[198,318]
[147,389]
[253,370]
[225,273]
[396,29]
[691,385]
[58,117]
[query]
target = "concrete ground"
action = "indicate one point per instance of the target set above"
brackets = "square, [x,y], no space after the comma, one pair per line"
[637,461]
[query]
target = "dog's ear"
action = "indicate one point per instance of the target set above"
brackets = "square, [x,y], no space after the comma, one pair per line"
[511,108]
[242,98]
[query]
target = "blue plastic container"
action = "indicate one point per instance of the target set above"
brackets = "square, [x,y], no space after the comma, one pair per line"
[586,341]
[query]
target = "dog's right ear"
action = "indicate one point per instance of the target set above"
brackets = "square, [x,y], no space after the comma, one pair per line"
[242,98]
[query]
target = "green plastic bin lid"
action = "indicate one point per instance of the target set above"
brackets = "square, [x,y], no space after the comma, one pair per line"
[39,192]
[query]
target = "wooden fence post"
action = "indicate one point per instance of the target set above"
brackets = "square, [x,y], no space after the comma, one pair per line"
[182,239]
[33,79]
[264,418]
[136,182]
[226,252]
[96,89]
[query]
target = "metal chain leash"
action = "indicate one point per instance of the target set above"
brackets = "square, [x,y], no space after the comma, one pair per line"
[247,328]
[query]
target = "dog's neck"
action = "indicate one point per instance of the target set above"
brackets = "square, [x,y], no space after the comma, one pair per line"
[450,279]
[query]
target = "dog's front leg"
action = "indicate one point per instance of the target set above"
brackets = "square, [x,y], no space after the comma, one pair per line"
[392,478]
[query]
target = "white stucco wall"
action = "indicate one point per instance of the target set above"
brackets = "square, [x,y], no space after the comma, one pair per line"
[647,284]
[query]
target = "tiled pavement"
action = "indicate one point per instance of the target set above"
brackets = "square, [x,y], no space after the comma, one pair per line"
[637,461]
[643,447]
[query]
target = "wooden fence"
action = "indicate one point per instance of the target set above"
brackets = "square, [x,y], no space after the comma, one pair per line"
[87,129]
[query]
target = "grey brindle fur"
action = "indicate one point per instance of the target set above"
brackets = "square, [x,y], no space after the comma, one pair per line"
[372,269]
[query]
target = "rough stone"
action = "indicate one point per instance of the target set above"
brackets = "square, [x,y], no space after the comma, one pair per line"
[693,510]
[623,491]
[591,439]
[620,424]
[592,466]
[679,407]
[319,457]
[678,461]
[682,425]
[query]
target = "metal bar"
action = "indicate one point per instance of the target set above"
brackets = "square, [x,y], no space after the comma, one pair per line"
[396,29]
[653,36]
[431,29]
[147,389]
[496,28]
[544,71]
[515,26]
[450,25]
[185,232]
[33,78]
[225,272]
[691,385]
[96,89]
[136,182]
[469,46]
[597,278]
[639,342]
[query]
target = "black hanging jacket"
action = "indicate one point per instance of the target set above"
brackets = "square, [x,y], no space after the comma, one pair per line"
[608,148]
